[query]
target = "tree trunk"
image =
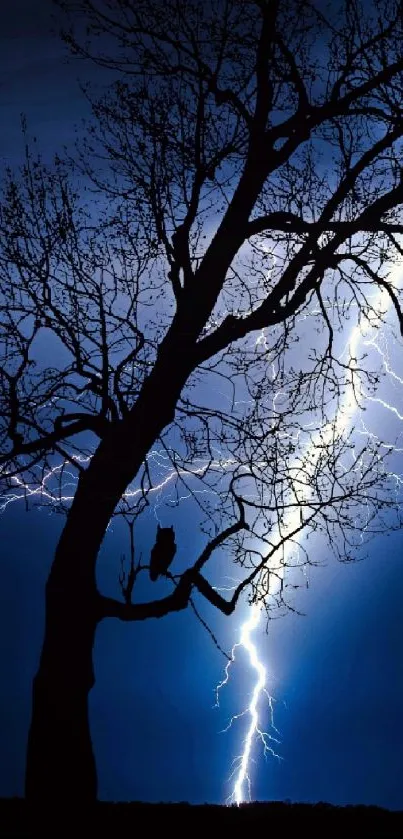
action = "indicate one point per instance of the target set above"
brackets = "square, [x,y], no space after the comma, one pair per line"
[60,760]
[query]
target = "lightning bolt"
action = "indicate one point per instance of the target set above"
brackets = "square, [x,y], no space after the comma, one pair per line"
[254,730]
[241,790]
[45,490]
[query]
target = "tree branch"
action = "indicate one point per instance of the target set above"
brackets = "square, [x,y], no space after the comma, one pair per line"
[108,607]
[96,424]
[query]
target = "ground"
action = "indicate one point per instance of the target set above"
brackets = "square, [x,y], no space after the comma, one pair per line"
[123,819]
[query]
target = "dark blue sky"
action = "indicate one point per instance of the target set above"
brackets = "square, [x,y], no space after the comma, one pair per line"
[337,674]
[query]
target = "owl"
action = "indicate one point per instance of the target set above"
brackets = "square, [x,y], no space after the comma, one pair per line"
[163,552]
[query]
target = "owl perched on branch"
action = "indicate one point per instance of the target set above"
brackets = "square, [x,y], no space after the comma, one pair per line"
[163,552]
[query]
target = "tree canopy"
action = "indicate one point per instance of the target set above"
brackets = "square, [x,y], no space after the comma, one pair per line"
[173,291]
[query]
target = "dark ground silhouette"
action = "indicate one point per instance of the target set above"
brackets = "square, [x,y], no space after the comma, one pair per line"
[125,819]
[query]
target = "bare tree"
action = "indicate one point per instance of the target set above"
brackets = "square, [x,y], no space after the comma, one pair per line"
[170,302]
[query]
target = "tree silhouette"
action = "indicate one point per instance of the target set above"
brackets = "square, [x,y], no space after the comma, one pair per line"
[170,301]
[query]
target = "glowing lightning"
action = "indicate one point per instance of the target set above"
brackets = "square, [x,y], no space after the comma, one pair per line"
[242,785]
[254,730]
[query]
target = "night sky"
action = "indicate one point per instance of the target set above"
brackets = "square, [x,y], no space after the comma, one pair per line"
[336,673]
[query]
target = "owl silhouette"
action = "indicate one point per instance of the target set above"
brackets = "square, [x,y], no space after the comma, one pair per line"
[163,552]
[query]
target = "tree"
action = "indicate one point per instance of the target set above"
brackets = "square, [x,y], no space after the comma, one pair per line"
[242,171]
